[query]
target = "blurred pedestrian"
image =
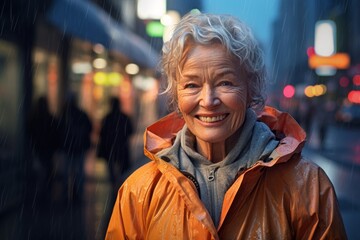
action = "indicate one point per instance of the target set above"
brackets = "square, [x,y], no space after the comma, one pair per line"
[44,133]
[308,110]
[114,141]
[76,136]
[325,118]
[223,166]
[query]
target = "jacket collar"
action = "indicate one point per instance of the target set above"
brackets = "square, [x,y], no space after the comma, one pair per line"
[162,133]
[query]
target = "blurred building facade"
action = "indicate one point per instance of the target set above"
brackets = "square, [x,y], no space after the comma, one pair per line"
[293,43]
[57,48]
[17,40]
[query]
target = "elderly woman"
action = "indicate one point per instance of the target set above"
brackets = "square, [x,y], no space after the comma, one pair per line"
[222,165]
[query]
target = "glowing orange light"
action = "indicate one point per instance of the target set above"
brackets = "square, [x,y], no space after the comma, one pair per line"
[315,91]
[339,61]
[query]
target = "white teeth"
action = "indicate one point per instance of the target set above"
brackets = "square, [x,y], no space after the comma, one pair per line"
[212,119]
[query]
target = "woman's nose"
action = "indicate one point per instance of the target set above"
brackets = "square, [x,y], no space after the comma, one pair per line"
[209,97]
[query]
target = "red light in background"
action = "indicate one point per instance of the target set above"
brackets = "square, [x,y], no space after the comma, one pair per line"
[356,80]
[310,51]
[289,91]
[344,82]
[354,96]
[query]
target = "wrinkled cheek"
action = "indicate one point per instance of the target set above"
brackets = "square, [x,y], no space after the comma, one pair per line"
[238,107]
[237,122]
[185,105]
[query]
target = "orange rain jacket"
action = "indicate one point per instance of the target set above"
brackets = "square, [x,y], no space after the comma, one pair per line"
[286,198]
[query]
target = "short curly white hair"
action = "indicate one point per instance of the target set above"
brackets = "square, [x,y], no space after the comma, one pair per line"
[205,29]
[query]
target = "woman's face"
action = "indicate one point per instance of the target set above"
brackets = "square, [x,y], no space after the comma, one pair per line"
[212,93]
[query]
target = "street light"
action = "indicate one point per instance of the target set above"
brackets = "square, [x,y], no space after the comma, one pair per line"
[153,9]
[324,58]
[169,20]
[325,38]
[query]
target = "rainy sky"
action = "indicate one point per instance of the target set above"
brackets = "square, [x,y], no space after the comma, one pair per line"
[258,14]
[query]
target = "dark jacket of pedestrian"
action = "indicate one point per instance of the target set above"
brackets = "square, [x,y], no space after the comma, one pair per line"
[76,139]
[76,129]
[114,137]
[44,131]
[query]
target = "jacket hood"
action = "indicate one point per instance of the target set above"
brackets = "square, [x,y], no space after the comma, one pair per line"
[162,133]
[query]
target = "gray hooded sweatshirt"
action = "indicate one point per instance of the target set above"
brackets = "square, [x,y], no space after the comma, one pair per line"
[256,143]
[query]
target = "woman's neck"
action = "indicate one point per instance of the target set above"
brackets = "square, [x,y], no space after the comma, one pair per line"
[216,152]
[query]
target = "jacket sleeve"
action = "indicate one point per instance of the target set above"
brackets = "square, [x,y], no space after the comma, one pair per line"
[115,228]
[323,220]
[131,206]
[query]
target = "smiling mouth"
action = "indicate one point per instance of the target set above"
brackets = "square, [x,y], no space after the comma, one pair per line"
[212,119]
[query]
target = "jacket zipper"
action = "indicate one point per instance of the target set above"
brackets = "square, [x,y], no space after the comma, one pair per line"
[213,192]
[211,176]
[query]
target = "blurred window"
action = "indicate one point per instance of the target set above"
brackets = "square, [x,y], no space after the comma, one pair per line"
[10,101]
[46,77]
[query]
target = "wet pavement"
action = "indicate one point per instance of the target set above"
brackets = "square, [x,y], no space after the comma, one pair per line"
[53,216]
[49,212]
[345,179]
[339,156]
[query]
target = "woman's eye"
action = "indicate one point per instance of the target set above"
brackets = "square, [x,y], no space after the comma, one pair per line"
[225,83]
[190,85]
